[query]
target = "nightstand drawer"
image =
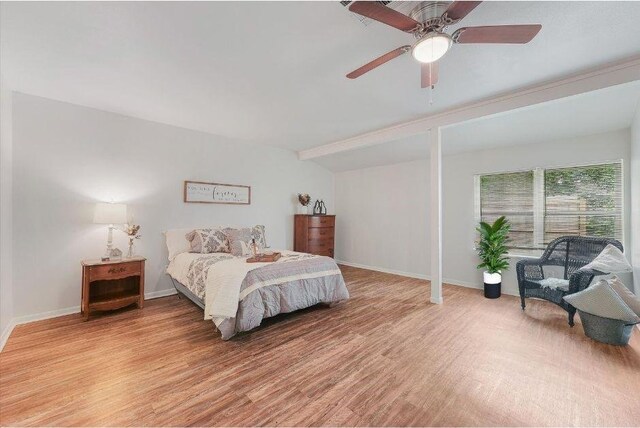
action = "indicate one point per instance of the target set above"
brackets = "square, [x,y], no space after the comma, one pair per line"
[114,271]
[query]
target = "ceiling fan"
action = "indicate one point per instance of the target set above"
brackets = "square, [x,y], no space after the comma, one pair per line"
[427,22]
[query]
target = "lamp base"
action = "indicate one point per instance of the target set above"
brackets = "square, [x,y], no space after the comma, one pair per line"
[107,254]
[109,251]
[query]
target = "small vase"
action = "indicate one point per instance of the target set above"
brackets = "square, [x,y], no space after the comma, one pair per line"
[302,209]
[132,249]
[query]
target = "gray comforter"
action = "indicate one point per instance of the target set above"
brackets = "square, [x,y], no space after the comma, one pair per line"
[286,295]
[296,281]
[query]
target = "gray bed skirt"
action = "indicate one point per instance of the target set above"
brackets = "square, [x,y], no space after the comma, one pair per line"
[181,289]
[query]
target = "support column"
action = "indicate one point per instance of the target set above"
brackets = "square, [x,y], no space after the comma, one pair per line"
[435,206]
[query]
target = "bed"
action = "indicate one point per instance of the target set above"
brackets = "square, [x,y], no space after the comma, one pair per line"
[237,295]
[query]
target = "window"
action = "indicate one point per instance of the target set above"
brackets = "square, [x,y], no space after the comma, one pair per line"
[543,204]
[510,195]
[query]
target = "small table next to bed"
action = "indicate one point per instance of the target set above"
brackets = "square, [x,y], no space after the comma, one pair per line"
[112,284]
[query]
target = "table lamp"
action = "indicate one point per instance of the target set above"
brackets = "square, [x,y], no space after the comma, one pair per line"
[110,214]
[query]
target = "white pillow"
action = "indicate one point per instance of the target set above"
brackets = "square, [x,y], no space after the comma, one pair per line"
[610,260]
[176,242]
[625,294]
[602,300]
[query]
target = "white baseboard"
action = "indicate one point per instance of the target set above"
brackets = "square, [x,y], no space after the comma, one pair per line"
[6,333]
[383,270]
[450,281]
[160,293]
[35,317]
[65,311]
[46,315]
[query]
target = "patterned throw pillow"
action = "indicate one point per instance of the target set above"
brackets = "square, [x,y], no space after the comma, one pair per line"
[240,242]
[208,241]
[257,232]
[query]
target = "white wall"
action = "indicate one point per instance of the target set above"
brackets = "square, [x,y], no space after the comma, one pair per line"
[460,259]
[382,217]
[393,186]
[67,157]
[635,199]
[6,286]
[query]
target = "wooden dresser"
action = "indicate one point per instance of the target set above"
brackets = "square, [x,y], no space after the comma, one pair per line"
[314,234]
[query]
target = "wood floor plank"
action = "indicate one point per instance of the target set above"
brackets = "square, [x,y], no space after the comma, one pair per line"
[387,357]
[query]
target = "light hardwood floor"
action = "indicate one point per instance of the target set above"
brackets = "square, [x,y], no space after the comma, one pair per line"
[386,357]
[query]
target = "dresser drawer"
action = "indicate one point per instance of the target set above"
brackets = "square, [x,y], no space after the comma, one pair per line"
[114,271]
[322,221]
[321,233]
[323,244]
[323,252]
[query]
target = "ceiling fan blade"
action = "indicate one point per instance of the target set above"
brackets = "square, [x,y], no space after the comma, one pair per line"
[497,34]
[458,10]
[429,74]
[382,13]
[378,61]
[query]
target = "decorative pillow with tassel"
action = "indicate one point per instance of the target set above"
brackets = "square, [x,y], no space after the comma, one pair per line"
[206,241]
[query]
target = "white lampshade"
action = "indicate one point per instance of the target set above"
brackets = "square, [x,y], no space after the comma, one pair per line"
[110,213]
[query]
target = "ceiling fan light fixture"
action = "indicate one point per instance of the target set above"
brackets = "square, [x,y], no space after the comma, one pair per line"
[431,47]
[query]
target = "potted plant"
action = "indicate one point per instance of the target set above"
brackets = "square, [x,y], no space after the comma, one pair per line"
[492,251]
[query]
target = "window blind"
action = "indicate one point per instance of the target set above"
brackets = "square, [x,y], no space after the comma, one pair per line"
[509,195]
[544,204]
[584,200]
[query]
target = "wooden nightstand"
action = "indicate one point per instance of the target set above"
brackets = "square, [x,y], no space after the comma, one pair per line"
[112,285]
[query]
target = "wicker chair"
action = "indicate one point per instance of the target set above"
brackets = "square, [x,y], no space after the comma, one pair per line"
[570,253]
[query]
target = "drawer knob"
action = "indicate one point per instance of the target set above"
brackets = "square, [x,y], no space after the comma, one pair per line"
[117,270]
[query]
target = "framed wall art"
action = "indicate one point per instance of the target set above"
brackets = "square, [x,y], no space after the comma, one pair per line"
[216,193]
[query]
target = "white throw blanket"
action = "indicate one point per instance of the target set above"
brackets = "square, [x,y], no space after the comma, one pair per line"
[224,281]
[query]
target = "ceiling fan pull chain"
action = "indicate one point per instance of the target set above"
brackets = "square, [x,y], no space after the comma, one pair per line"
[432,85]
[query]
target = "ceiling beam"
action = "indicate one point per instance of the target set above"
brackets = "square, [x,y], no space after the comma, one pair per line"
[610,75]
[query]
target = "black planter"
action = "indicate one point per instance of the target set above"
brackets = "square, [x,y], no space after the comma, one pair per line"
[492,291]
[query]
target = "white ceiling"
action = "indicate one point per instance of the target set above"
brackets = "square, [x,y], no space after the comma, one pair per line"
[586,114]
[273,72]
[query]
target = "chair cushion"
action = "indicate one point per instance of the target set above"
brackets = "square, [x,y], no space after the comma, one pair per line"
[610,260]
[554,283]
[625,294]
[602,300]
